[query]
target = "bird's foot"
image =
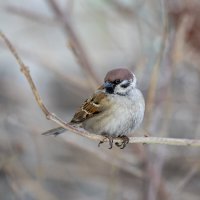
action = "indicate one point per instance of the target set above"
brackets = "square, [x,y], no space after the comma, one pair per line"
[110,140]
[125,141]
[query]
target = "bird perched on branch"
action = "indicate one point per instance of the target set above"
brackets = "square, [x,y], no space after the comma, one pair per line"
[115,109]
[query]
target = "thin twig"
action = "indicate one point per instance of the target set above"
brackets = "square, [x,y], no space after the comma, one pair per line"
[24,69]
[74,83]
[82,132]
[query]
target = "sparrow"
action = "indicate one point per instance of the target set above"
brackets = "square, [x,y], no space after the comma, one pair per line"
[115,109]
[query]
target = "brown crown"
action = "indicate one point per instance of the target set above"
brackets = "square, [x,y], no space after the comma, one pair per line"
[120,73]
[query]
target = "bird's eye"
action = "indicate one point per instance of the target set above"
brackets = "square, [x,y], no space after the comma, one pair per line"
[117,81]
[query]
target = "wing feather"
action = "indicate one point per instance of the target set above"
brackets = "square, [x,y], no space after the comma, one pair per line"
[90,107]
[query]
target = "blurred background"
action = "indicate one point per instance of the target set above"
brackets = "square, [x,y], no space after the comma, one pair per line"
[69,45]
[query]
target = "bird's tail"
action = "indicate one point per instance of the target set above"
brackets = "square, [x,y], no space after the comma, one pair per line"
[55,131]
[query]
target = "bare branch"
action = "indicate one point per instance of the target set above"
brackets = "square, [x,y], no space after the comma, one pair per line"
[74,42]
[82,132]
[24,69]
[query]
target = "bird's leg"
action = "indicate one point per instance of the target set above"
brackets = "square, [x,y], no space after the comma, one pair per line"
[125,141]
[110,140]
[102,141]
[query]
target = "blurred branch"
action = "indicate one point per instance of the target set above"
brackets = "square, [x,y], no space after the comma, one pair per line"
[82,132]
[115,159]
[75,84]
[23,184]
[120,7]
[74,42]
[30,15]
[151,95]
[132,12]
[155,184]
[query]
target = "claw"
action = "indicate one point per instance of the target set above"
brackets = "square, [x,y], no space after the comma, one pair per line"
[101,142]
[122,145]
[125,141]
[110,140]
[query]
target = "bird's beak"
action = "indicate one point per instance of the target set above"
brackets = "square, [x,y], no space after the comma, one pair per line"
[109,87]
[108,84]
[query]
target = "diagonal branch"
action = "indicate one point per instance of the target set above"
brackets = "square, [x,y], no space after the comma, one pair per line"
[147,140]
[24,69]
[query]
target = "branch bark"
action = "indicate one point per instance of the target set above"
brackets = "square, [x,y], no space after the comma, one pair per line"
[145,140]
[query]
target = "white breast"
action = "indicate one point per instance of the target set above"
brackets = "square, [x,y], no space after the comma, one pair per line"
[124,116]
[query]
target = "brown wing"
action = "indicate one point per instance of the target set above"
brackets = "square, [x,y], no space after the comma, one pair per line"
[90,107]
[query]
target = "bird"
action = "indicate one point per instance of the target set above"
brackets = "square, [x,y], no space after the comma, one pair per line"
[115,110]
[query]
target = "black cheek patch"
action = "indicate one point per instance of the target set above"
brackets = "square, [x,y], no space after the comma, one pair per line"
[125,85]
[110,90]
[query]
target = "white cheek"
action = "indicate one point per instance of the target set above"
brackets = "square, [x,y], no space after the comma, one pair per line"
[119,89]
